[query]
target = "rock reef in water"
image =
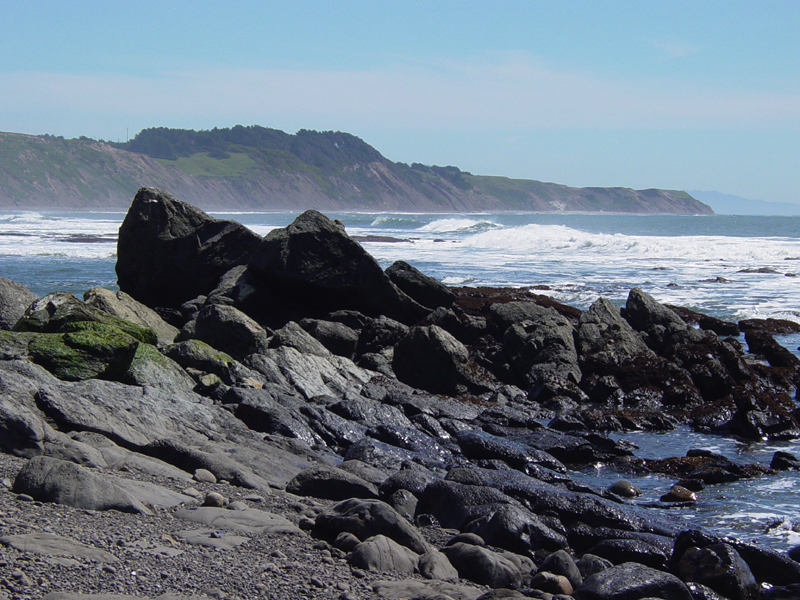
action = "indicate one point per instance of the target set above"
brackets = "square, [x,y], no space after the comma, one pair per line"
[293,366]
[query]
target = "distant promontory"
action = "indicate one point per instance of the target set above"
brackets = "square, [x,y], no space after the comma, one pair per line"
[257,168]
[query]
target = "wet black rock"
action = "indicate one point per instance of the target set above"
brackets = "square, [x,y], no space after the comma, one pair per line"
[316,268]
[425,290]
[169,252]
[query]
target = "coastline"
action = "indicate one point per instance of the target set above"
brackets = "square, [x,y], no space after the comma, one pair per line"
[383,391]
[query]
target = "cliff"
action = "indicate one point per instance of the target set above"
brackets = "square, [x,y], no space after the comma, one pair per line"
[257,168]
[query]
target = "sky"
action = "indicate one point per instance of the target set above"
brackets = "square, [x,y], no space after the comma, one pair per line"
[677,95]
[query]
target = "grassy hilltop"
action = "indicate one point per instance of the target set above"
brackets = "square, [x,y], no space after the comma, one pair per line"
[260,168]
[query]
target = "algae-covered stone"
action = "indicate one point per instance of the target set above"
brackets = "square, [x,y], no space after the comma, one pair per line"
[150,367]
[121,305]
[96,351]
[195,354]
[58,312]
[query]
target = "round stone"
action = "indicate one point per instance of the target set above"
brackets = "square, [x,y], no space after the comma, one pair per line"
[625,489]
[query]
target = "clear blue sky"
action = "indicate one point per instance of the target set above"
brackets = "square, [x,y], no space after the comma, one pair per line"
[687,95]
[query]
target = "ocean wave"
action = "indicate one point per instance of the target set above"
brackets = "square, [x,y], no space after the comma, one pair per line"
[540,239]
[393,222]
[465,226]
[456,280]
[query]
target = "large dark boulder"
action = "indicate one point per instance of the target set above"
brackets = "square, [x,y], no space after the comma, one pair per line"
[721,568]
[632,581]
[366,518]
[541,346]
[484,566]
[431,359]
[655,320]
[169,252]
[316,268]
[52,480]
[331,483]
[422,288]
[605,338]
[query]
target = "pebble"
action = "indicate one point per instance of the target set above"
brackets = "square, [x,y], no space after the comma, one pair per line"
[306,524]
[317,582]
[204,476]
[278,554]
[215,499]
[678,493]
[192,492]
[624,488]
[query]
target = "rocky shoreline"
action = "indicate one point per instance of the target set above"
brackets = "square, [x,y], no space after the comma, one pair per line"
[279,417]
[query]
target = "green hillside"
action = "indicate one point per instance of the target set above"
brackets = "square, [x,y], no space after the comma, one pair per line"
[260,168]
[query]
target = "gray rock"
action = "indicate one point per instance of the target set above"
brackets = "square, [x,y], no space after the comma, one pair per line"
[431,359]
[484,566]
[424,590]
[15,298]
[248,521]
[119,458]
[272,411]
[404,502]
[51,544]
[551,583]
[204,475]
[632,580]
[561,563]
[435,565]
[125,307]
[330,483]
[169,252]
[53,480]
[308,374]
[380,335]
[336,337]
[230,330]
[380,553]
[293,336]
[366,518]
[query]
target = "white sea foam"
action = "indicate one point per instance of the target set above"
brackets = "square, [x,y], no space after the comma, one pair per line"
[458,226]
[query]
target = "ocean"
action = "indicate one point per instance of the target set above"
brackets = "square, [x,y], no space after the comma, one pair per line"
[731,267]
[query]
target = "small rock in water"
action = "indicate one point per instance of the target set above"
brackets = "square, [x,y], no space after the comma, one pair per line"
[678,493]
[625,489]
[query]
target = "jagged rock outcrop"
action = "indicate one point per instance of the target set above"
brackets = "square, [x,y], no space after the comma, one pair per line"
[316,269]
[170,252]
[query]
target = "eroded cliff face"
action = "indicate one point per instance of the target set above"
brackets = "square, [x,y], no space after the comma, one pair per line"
[50,172]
